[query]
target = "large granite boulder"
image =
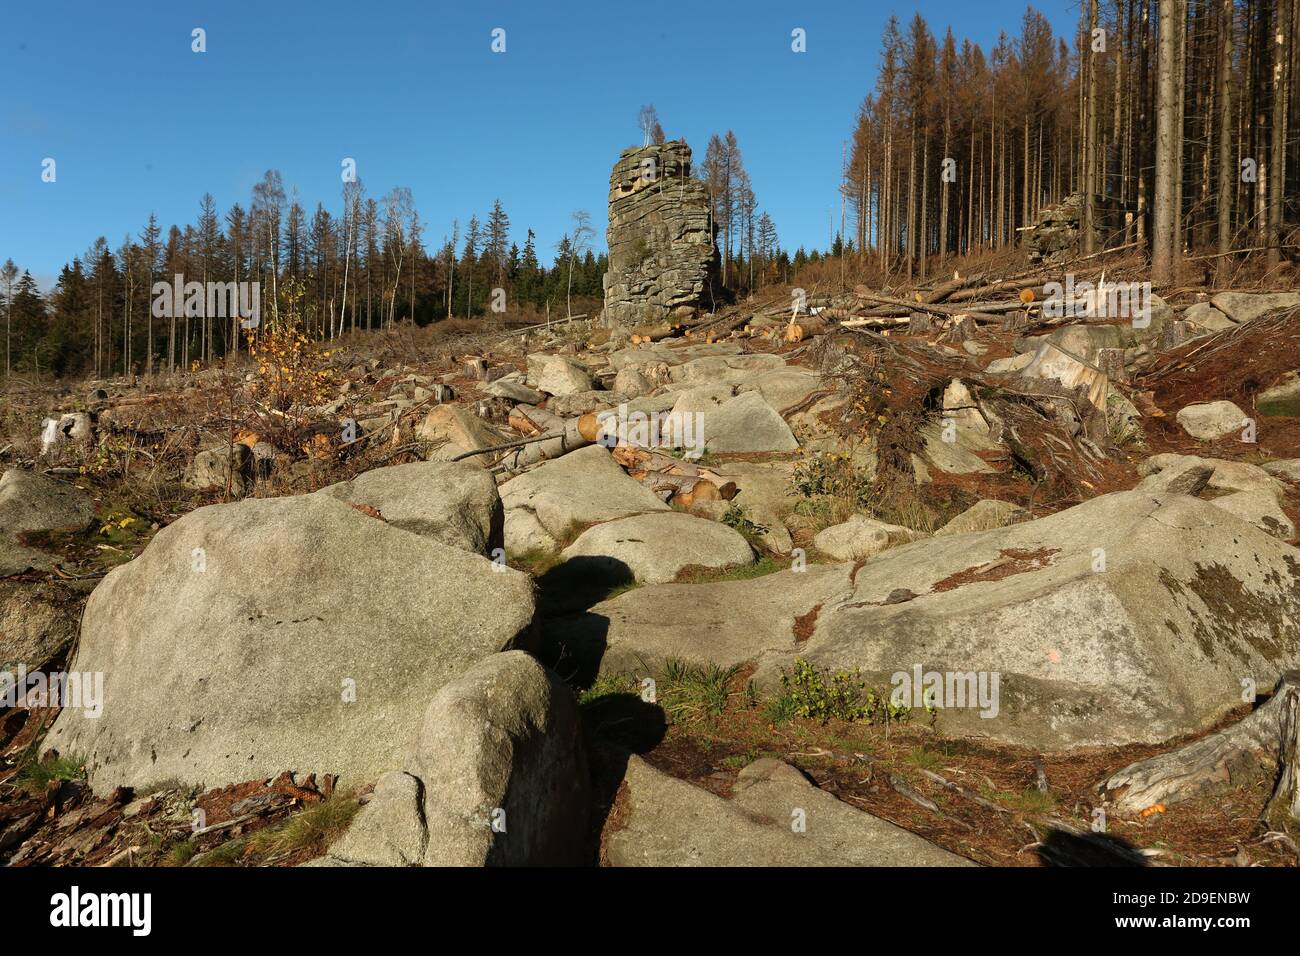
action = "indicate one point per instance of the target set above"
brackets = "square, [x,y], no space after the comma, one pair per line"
[546,505]
[1247,306]
[280,634]
[1133,617]
[34,503]
[653,548]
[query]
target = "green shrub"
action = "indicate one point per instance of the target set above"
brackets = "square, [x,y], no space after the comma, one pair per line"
[825,696]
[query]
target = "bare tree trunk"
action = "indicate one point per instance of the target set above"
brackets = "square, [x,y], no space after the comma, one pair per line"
[1180,77]
[1277,159]
[1167,137]
[1226,171]
[1089,212]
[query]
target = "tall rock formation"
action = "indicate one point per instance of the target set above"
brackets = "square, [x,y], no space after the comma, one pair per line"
[662,258]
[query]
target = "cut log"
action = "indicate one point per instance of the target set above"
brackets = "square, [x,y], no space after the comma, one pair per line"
[944,290]
[641,462]
[1261,742]
[530,420]
[653,333]
[806,327]
[575,433]
[682,489]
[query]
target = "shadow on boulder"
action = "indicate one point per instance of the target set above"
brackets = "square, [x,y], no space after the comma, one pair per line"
[581,582]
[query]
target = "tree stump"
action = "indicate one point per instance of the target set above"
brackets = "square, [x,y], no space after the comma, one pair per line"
[1264,741]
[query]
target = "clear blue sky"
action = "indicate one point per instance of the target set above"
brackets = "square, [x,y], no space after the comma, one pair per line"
[410,88]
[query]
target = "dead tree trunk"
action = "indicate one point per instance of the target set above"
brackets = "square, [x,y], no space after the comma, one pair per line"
[1265,741]
[1167,137]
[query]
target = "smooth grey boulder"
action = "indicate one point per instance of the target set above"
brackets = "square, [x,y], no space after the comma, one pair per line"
[1282,399]
[276,634]
[861,537]
[34,503]
[1129,618]
[1288,468]
[653,548]
[632,382]
[783,388]
[30,501]
[960,455]
[514,391]
[580,489]
[229,467]
[524,535]
[1010,365]
[15,558]
[454,503]
[721,622]
[496,776]
[1247,306]
[1222,475]
[701,398]
[1086,341]
[1207,318]
[558,374]
[452,430]
[775,817]
[985,515]
[1259,508]
[580,403]
[747,423]
[1210,421]
[727,369]
[1186,476]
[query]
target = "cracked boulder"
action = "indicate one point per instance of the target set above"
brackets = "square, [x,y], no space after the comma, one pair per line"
[1210,421]
[495,776]
[280,633]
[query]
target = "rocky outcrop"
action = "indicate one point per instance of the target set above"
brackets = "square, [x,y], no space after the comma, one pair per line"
[662,259]
[1057,232]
